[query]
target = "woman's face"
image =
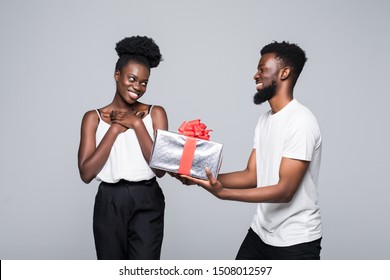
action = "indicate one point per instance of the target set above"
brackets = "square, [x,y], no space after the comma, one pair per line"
[132,81]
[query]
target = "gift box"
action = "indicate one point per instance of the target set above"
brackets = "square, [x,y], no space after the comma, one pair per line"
[187,155]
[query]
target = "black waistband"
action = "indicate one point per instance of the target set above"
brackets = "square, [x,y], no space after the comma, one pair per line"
[131,183]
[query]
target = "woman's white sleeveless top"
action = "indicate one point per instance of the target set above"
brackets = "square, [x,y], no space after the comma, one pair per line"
[125,160]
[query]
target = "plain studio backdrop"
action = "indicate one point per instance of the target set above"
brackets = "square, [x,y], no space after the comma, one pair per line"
[57,61]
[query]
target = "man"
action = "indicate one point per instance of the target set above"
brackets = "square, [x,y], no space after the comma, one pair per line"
[282,170]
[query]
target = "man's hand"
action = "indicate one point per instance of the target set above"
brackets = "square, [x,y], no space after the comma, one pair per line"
[181,178]
[212,184]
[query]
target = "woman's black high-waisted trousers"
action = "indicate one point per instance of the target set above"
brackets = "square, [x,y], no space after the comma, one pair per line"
[128,220]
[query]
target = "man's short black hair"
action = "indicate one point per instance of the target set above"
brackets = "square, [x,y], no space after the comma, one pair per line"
[290,54]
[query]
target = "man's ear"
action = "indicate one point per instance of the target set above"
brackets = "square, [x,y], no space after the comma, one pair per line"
[116,75]
[285,73]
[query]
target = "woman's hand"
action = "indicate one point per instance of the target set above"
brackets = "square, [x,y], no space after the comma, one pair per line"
[128,119]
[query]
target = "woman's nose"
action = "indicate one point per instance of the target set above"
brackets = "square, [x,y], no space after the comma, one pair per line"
[136,86]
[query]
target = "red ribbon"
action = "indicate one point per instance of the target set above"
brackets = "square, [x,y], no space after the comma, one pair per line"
[188,156]
[193,129]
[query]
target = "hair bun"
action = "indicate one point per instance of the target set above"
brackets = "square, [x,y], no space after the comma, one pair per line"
[140,46]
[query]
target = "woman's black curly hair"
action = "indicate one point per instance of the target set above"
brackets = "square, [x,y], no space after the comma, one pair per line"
[290,54]
[141,49]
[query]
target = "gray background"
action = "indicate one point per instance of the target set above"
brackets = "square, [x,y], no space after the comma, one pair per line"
[57,61]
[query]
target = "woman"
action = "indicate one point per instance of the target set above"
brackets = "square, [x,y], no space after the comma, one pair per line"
[115,147]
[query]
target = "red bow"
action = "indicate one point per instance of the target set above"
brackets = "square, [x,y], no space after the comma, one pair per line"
[195,129]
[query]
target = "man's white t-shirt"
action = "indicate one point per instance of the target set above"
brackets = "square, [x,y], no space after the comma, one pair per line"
[293,132]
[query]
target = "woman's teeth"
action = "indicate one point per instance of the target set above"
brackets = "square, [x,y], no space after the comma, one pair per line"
[133,95]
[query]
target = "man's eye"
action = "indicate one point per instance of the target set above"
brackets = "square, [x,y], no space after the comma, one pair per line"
[144,84]
[131,79]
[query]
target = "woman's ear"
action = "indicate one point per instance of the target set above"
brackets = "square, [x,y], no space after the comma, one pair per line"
[116,75]
[285,73]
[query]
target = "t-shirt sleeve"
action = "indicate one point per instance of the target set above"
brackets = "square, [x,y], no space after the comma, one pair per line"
[301,139]
[256,138]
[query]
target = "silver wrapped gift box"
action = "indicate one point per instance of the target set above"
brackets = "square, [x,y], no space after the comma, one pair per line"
[181,154]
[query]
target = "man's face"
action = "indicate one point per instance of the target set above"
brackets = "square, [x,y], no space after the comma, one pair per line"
[266,78]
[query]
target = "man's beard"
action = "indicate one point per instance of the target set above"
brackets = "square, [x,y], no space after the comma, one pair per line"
[265,94]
